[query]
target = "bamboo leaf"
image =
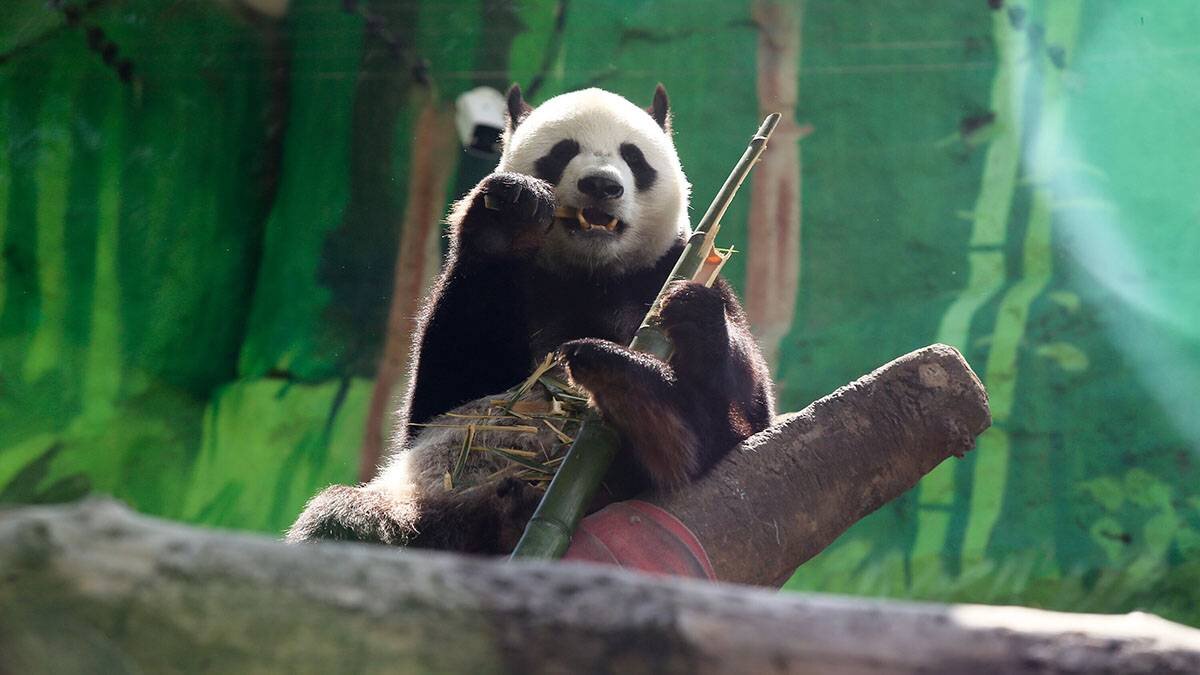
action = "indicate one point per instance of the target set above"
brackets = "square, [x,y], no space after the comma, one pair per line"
[519,428]
[546,364]
[558,432]
[461,463]
[527,463]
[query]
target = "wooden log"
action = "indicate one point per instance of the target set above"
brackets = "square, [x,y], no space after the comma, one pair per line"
[92,587]
[788,492]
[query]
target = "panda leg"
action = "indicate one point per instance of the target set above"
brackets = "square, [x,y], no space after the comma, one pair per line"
[639,395]
[488,519]
[345,513]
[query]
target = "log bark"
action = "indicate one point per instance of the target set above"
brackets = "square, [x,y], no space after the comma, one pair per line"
[786,493]
[92,587]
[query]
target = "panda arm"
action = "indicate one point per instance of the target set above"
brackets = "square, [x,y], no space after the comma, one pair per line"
[715,349]
[473,340]
[679,418]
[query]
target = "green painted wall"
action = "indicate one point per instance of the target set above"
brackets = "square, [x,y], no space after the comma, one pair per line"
[197,262]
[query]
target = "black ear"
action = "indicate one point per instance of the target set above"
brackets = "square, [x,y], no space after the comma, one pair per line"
[660,110]
[517,107]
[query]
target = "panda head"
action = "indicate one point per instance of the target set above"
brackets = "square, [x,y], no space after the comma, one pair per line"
[609,159]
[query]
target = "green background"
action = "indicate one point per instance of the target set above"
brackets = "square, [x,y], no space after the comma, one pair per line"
[197,263]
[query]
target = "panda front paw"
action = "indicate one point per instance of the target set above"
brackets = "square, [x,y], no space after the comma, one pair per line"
[606,369]
[518,198]
[693,316]
[638,395]
[589,356]
[509,213]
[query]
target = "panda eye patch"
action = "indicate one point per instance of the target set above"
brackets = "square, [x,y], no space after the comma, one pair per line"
[550,167]
[644,175]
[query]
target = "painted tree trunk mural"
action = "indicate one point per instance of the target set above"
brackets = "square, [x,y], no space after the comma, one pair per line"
[1009,339]
[417,263]
[986,264]
[1027,139]
[773,259]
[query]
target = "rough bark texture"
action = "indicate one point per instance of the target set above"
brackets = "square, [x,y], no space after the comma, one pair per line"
[788,492]
[92,587]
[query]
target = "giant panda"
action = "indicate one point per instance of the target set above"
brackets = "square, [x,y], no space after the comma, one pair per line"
[519,283]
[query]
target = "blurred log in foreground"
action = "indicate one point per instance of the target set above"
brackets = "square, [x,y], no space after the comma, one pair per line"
[93,587]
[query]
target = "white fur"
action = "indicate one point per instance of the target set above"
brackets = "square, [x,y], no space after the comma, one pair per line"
[600,122]
[418,470]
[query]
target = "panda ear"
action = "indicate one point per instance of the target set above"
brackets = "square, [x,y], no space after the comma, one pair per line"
[517,107]
[660,109]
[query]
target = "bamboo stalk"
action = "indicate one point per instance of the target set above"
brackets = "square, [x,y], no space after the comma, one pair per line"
[549,531]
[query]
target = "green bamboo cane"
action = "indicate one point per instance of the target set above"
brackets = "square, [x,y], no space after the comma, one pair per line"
[549,531]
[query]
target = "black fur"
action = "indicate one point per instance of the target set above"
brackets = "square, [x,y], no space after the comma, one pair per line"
[550,167]
[517,107]
[660,109]
[492,313]
[470,345]
[644,175]
[679,418]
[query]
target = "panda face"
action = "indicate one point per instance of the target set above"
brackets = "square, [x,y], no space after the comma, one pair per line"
[611,161]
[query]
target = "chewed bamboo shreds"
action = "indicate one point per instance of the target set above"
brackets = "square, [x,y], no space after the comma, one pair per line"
[461,463]
[546,364]
[558,432]
[530,454]
[519,428]
[559,411]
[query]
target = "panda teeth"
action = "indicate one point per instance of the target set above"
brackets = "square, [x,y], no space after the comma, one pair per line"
[584,224]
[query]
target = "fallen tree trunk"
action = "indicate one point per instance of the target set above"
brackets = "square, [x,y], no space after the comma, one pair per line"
[92,587]
[786,493]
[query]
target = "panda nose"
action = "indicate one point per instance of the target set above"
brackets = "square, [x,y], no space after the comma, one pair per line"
[600,187]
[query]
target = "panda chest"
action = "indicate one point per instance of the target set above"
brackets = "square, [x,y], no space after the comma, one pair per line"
[586,311]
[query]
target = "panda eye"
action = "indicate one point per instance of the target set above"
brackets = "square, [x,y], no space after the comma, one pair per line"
[550,167]
[643,174]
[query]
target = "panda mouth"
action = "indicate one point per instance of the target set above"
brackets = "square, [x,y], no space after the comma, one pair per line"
[588,219]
